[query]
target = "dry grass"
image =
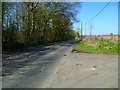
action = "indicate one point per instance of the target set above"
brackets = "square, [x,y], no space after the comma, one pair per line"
[112,38]
[98,44]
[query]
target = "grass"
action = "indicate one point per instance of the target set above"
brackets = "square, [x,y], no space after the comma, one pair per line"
[99,47]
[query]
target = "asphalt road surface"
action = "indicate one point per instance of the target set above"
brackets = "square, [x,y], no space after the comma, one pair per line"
[55,66]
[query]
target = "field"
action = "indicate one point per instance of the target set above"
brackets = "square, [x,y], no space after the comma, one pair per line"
[98,44]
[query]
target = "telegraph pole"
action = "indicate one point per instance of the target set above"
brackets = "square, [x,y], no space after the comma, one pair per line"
[85,28]
[81,29]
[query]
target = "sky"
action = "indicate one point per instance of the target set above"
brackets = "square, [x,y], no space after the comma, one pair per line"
[105,23]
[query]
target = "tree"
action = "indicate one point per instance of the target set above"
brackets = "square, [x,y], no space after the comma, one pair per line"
[32,22]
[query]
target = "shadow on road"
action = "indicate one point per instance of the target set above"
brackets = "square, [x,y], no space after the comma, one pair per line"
[29,62]
[13,63]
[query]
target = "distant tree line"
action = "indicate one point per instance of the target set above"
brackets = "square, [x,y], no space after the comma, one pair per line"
[33,22]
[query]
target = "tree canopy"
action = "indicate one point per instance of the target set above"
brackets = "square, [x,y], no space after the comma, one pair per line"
[37,21]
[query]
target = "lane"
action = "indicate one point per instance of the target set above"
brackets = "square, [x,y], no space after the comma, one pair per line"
[85,70]
[29,69]
[55,66]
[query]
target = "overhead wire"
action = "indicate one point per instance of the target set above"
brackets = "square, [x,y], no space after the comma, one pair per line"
[100,11]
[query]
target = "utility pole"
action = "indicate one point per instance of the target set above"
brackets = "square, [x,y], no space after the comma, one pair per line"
[85,28]
[81,29]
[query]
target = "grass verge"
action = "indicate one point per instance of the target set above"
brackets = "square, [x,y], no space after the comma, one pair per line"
[9,52]
[106,47]
[28,48]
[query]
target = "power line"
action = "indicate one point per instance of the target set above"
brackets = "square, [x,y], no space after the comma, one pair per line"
[100,11]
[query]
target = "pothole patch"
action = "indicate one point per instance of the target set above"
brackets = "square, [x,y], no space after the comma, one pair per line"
[94,66]
[65,55]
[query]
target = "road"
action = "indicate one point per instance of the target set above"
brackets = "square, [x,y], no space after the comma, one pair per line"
[55,66]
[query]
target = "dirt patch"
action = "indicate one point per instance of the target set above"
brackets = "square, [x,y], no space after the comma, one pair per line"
[77,49]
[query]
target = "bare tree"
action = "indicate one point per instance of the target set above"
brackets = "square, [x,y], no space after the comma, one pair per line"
[91,29]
